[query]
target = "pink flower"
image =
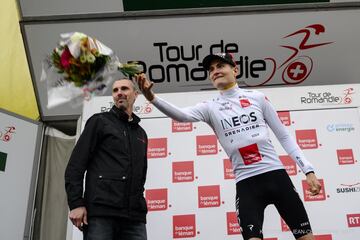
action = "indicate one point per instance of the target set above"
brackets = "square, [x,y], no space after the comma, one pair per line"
[65,58]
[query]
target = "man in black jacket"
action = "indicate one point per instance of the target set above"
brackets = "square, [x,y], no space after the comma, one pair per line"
[112,150]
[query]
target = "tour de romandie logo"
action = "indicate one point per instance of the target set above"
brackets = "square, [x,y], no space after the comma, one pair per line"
[175,64]
[328,98]
[145,108]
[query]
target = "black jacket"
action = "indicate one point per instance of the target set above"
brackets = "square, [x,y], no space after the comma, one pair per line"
[113,152]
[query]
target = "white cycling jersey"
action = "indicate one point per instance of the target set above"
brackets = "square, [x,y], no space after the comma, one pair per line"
[240,119]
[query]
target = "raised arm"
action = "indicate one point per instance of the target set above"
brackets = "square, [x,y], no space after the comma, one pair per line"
[196,113]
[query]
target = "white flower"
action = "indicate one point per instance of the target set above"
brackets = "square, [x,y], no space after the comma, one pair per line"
[77,36]
[62,43]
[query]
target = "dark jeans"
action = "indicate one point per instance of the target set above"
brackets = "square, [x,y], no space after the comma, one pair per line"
[109,228]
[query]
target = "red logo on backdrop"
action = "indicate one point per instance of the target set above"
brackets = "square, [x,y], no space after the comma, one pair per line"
[181,126]
[233,226]
[157,199]
[7,134]
[307,195]
[289,164]
[345,156]
[183,171]
[209,196]
[347,99]
[157,148]
[184,226]
[284,226]
[285,118]
[146,108]
[306,139]
[353,220]
[206,145]
[245,103]
[323,237]
[228,171]
[250,154]
[297,65]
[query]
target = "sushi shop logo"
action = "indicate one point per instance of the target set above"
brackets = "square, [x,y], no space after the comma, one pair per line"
[348,188]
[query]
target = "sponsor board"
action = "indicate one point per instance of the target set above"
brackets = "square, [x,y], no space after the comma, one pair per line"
[184,226]
[156,199]
[209,196]
[183,171]
[157,148]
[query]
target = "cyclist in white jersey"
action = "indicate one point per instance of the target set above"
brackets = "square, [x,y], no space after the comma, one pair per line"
[240,119]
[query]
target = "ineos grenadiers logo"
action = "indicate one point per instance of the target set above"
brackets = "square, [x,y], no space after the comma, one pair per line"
[237,124]
[236,121]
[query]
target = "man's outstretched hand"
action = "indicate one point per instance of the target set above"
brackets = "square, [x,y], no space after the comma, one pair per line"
[145,86]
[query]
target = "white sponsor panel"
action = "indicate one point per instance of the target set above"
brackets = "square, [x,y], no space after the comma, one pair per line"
[202,206]
[20,141]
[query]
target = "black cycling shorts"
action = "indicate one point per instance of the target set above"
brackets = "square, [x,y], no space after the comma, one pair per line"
[253,194]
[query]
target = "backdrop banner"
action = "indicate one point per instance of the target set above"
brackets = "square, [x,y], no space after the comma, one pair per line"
[190,188]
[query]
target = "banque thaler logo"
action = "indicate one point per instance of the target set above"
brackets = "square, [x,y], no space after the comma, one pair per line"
[183,63]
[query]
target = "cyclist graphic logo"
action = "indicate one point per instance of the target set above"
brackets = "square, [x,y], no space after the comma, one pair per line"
[298,66]
[146,108]
[347,98]
[7,134]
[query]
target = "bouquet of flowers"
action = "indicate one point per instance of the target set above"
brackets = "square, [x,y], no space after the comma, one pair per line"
[80,67]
